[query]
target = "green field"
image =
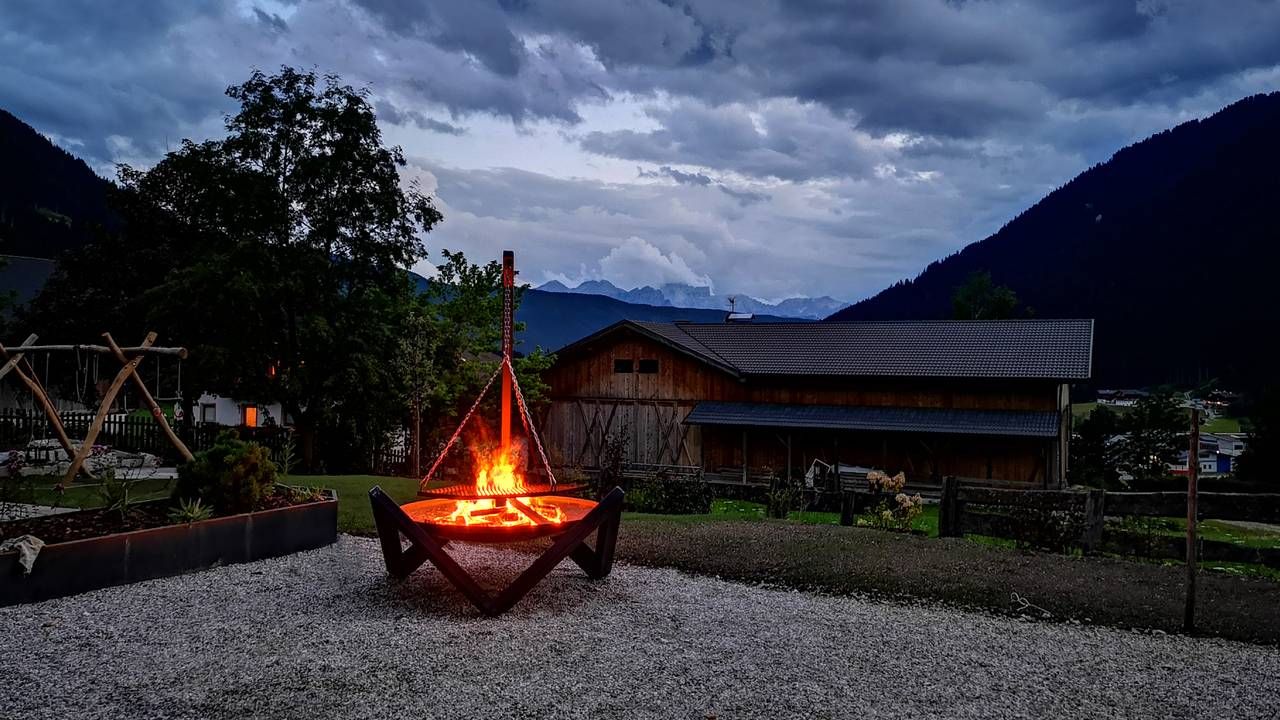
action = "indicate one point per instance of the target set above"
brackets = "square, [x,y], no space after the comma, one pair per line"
[1218,425]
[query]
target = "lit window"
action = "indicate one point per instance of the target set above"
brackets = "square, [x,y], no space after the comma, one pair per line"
[623,365]
[648,366]
[250,416]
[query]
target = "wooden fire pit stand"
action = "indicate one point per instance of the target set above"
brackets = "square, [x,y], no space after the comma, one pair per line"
[392,522]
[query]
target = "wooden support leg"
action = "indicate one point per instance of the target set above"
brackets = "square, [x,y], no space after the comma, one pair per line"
[149,401]
[86,446]
[392,522]
[50,412]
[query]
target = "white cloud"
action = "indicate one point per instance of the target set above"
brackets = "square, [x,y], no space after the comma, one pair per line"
[637,262]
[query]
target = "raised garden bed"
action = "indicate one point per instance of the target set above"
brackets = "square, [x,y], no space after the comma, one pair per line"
[150,547]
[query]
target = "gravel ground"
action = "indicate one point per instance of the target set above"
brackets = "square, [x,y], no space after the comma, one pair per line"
[325,634]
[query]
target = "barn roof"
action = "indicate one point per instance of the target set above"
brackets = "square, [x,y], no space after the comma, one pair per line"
[1038,349]
[1024,423]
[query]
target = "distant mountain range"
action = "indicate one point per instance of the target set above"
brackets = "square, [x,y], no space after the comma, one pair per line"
[1171,246]
[692,296]
[555,319]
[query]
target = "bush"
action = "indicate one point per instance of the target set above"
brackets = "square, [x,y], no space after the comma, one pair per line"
[232,476]
[782,498]
[665,494]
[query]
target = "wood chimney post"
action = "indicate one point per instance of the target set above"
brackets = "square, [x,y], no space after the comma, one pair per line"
[1193,481]
[508,340]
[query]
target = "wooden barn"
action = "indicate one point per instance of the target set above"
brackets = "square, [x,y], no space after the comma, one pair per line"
[986,400]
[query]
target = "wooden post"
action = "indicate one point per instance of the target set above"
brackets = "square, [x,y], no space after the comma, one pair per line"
[744,456]
[50,412]
[86,445]
[848,505]
[150,402]
[949,508]
[1091,537]
[508,341]
[17,356]
[1193,481]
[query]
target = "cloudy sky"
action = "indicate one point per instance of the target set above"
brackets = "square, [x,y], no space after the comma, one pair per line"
[775,148]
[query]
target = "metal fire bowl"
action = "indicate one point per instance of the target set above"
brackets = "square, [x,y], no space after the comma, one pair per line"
[429,515]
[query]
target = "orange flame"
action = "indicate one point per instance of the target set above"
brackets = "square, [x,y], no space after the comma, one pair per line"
[497,476]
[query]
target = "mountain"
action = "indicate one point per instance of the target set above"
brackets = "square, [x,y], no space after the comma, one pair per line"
[1171,246]
[700,296]
[554,319]
[50,200]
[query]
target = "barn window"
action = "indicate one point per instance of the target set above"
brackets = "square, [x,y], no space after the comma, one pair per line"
[623,365]
[648,366]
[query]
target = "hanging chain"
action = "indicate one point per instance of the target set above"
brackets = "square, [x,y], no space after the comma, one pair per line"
[453,439]
[527,420]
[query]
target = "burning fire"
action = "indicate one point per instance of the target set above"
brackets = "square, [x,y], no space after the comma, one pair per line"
[497,476]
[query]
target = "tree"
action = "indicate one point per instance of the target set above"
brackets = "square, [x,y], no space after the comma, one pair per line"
[979,298]
[1155,431]
[277,255]
[1095,451]
[1260,461]
[465,302]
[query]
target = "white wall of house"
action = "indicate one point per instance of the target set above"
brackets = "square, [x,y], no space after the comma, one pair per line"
[231,412]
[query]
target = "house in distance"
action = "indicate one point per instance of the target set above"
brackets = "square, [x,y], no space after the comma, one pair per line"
[986,400]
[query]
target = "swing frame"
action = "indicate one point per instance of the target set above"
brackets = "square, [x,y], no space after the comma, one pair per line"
[129,359]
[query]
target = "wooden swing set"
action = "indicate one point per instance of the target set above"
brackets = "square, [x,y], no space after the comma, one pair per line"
[129,358]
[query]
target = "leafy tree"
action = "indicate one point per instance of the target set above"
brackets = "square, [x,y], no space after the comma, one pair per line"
[1155,432]
[276,255]
[979,298]
[1261,459]
[465,310]
[1094,457]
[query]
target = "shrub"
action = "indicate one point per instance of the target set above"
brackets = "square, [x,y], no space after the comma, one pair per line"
[896,515]
[781,499]
[114,493]
[670,495]
[232,476]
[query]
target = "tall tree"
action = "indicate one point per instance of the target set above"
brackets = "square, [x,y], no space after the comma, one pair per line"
[277,255]
[1095,449]
[1261,459]
[979,298]
[1155,429]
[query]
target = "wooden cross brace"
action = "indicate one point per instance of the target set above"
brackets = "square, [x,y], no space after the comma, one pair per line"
[50,412]
[392,522]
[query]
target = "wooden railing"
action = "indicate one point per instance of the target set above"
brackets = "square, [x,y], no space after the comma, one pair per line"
[994,512]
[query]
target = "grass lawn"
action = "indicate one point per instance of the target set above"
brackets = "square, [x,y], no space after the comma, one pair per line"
[85,494]
[354,513]
[1218,425]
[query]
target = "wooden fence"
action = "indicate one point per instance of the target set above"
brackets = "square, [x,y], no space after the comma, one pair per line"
[1082,515]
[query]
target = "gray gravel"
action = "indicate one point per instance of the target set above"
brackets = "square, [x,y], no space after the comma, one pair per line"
[325,634]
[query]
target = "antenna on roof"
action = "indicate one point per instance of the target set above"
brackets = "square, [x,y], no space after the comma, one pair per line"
[733,303]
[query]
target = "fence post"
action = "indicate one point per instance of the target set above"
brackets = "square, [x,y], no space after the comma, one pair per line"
[949,508]
[1091,537]
[848,505]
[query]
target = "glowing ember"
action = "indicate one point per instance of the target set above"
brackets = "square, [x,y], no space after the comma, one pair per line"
[497,481]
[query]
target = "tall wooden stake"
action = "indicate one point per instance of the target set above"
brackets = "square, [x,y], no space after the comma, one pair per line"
[150,402]
[1193,480]
[508,341]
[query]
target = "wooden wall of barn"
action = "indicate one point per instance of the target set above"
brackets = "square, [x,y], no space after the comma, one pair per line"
[589,401]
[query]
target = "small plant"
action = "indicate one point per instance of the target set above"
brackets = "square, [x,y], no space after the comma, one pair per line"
[781,499]
[189,511]
[286,458]
[114,492]
[232,476]
[891,513]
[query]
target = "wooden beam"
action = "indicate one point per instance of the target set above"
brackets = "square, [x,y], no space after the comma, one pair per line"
[149,401]
[86,445]
[17,356]
[140,350]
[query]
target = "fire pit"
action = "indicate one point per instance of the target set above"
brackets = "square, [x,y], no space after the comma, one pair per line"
[502,505]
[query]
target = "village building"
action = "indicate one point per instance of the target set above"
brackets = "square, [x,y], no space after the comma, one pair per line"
[984,400]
